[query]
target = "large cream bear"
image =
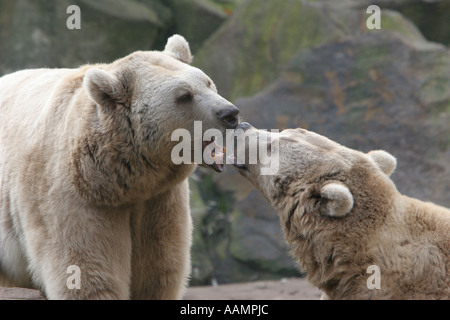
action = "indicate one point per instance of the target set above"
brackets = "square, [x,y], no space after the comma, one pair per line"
[348,227]
[88,188]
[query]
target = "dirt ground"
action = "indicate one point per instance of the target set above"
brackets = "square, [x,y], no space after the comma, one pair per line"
[284,289]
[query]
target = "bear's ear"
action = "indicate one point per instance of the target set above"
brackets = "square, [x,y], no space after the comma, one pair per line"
[385,161]
[178,47]
[337,200]
[102,87]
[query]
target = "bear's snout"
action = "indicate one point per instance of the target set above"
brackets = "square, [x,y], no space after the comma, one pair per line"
[229,116]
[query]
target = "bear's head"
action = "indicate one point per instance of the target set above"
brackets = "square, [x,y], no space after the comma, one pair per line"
[147,96]
[315,181]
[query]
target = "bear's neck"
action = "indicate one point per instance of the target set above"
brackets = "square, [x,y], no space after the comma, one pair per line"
[111,169]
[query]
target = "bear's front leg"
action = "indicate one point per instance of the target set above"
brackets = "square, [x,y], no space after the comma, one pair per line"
[161,236]
[86,254]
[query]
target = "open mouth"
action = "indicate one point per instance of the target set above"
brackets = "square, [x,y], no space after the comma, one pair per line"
[216,154]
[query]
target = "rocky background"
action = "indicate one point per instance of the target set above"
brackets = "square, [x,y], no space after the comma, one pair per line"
[284,63]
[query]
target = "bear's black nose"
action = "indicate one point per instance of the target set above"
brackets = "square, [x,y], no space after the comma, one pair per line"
[229,116]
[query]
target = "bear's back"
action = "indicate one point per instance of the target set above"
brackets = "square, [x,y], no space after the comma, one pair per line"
[24,96]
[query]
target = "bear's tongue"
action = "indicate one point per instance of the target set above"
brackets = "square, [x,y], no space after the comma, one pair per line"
[217,154]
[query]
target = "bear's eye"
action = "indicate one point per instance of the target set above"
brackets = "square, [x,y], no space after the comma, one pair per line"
[185,97]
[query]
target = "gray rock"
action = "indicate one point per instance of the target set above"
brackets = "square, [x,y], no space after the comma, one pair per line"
[196,20]
[33,33]
[253,47]
[430,16]
[256,239]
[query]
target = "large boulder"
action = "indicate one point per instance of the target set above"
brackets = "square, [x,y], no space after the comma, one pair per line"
[195,19]
[33,33]
[250,50]
[430,16]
